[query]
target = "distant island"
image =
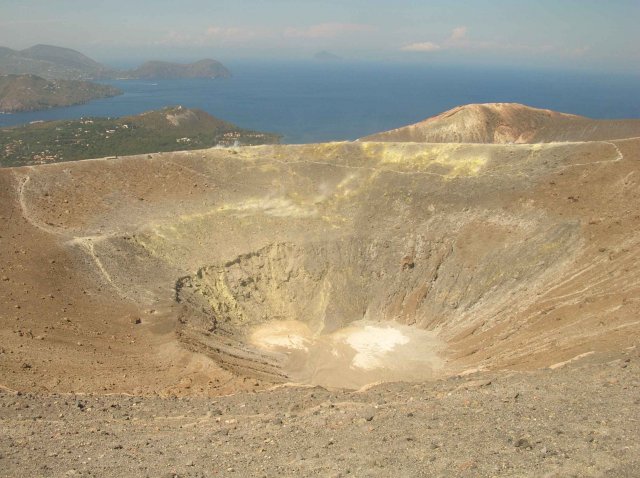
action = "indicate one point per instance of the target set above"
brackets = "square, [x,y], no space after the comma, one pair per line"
[326,56]
[53,62]
[169,129]
[161,70]
[30,93]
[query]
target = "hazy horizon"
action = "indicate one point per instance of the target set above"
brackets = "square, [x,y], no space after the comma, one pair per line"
[589,34]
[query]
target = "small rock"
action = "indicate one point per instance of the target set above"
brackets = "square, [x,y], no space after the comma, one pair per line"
[368,414]
[523,443]
[474,384]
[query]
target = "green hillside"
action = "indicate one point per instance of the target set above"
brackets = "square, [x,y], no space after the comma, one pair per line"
[169,129]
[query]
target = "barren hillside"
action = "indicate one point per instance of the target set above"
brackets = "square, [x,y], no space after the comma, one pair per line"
[509,123]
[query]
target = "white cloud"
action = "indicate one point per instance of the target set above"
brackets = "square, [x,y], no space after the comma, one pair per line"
[327,30]
[213,35]
[175,38]
[580,51]
[422,46]
[230,34]
[458,33]
[459,41]
[242,35]
[456,38]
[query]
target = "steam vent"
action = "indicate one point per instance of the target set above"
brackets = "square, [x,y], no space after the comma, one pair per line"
[492,237]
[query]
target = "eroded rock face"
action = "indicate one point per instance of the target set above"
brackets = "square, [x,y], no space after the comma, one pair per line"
[441,275]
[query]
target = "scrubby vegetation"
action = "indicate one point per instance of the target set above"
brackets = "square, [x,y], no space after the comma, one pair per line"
[170,129]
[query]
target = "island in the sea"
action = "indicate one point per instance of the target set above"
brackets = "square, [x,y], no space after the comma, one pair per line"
[327,56]
[162,70]
[31,93]
[169,129]
[53,62]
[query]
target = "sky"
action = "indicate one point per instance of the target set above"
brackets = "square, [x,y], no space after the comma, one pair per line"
[592,34]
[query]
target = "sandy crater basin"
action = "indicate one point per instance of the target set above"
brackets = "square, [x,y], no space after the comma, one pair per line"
[362,353]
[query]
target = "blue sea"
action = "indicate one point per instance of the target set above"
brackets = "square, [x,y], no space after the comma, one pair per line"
[313,101]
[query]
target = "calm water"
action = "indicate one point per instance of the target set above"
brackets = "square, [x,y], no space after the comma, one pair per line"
[309,102]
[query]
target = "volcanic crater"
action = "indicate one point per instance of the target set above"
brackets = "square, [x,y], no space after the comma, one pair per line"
[283,310]
[338,264]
